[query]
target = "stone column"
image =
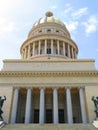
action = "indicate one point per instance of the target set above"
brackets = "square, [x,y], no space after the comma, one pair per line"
[82,104]
[28,106]
[39,44]
[22,55]
[58,46]
[45,46]
[69,106]
[51,46]
[75,54]
[14,106]
[72,52]
[33,48]
[68,50]
[63,48]
[42,106]
[25,52]
[55,106]
[28,50]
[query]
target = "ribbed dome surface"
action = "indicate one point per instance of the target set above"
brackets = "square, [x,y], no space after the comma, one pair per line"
[49,19]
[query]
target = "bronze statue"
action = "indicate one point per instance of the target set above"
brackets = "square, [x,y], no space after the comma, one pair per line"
[95,100]
[1,105]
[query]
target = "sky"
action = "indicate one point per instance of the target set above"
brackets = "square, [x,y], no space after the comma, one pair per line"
[17,18]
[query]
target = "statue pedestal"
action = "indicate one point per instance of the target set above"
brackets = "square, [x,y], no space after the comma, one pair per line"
[2,124]
[95,123]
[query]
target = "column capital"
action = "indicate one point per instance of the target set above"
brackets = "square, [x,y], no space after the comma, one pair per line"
[16,88]
[81,87]
[42,88]
[28,88]
[68,88]
[55,88]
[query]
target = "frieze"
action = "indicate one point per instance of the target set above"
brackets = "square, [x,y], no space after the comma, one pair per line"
[49,74]
[64,85]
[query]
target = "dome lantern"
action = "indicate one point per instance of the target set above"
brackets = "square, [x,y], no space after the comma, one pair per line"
[49,14]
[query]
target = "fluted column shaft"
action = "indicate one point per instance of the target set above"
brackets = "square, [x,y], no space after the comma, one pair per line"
[51,46]
[72,52]
[25,52]
[63,48]
[33,48]
[42,106]
[28,106]
[22,55]
[75,54]
[14,106]
[69,106]
[39,47]
[55,106]
[68,50]
[28,50]
[58,46]
[45,46]
[82,104]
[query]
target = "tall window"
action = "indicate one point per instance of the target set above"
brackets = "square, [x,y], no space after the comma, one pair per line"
[49,116]
[36,116]
[48,51]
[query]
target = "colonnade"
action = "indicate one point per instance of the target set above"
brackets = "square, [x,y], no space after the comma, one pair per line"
[56,47]
[42,105]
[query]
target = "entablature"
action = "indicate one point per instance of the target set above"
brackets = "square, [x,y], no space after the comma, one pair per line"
[49,74]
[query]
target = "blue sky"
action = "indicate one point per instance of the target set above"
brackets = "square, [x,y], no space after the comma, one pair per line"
[17,18]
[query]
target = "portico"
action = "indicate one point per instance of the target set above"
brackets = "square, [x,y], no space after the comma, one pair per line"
[49,105]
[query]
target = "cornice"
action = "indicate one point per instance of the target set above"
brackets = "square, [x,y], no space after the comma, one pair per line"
[44,61]
[49,74]
[39,85]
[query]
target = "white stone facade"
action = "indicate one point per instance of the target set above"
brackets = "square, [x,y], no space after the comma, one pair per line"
[49,84]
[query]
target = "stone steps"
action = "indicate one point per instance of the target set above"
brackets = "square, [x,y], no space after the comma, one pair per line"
[49,127]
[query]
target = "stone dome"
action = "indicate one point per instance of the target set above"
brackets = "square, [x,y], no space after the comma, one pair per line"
[49,19]
[49,37]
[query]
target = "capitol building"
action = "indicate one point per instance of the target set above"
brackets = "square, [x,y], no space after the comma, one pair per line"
[49,87]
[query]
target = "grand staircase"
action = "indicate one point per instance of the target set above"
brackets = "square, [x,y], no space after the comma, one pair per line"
[48,127]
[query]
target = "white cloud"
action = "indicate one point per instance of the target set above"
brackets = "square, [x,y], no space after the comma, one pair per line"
[91,25]
[7,6]
[6,26]
[53,7]
[68,9]
[80,12]
[72,25]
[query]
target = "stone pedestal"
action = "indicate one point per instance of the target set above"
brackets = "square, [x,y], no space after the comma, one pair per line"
[95,123]
[2,124]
